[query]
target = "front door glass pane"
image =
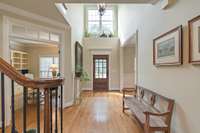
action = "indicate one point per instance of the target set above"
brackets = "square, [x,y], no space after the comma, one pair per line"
[100,68]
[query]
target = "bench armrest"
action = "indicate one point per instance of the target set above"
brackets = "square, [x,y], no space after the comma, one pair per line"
[148,114]
[156,114]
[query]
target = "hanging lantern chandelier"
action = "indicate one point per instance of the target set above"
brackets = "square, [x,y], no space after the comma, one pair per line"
[101,8]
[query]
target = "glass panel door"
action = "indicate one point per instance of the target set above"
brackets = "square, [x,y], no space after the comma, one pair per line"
[100,68]
[100,72]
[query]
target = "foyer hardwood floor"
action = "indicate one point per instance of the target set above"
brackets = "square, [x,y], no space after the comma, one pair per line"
[98,112]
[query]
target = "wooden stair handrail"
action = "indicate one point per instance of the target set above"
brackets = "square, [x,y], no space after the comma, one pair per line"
[13,74]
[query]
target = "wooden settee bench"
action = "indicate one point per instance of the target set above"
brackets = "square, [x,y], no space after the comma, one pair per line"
[151,110]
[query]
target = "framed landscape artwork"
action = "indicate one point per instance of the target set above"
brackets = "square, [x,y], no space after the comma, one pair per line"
[167,48]
[194,40]
[78,59]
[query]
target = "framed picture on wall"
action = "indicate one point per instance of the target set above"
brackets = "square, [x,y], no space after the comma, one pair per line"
[167,48]
[194,40]
[78,59]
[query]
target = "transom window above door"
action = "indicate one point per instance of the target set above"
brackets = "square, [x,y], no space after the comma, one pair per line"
[97,25]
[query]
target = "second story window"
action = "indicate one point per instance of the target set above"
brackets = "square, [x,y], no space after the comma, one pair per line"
[98,25]
[93,22]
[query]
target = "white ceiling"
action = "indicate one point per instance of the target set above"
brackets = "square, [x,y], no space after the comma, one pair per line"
[48,9]
[44,8]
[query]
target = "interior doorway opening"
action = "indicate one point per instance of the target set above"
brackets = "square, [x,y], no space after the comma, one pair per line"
[35,60]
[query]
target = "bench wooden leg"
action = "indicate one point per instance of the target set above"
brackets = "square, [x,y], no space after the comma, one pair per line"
[168,131]
[147,129]
[123,106]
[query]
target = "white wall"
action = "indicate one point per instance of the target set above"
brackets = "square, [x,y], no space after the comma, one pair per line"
[74,15]
[109,46]
[127,23]
[180,83]
[1,34]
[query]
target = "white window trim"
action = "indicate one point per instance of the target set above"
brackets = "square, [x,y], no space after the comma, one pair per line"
[115,17]
[37,28]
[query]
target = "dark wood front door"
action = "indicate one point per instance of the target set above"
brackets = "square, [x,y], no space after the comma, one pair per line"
[100,72]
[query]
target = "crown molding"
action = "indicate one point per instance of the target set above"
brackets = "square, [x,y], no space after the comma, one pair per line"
[30,15]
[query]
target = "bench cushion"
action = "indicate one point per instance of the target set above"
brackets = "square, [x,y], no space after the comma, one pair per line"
[138,107]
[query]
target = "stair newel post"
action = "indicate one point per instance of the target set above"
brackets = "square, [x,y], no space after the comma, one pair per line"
[47,110]
[51,110]
[56,110]
[24,109]
[61,109]
[38,110]
[13,106]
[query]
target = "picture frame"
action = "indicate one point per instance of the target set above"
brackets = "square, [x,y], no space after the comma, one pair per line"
[167,48]
[78,59]
[194,40]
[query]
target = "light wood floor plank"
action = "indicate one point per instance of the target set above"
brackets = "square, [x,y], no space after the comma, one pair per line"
[98,112]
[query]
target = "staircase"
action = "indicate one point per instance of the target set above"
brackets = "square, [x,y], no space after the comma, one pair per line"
[47,86]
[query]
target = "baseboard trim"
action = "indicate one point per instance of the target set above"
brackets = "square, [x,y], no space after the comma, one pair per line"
[68,104]
[86,89]
[111,89]
[114,89]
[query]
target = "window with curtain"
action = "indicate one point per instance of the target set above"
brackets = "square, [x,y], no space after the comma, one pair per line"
[96,24]
[45,63]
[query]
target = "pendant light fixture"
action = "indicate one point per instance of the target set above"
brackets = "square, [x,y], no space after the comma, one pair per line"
[101,8]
